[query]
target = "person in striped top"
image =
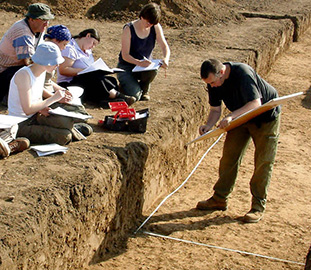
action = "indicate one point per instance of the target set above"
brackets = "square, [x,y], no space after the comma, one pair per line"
[19,42]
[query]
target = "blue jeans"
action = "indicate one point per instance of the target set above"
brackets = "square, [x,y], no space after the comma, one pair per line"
[265,139]
[135,83]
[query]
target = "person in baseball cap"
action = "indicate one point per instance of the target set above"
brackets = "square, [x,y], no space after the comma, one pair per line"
[39,11]
[19,43]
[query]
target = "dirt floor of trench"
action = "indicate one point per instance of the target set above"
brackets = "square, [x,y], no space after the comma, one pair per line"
[69,211]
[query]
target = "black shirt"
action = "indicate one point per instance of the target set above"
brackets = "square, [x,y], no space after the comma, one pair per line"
[242,86]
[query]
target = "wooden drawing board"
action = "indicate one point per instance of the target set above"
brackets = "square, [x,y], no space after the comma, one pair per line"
[246,117]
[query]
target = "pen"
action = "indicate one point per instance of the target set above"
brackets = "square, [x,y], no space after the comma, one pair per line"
[161,63]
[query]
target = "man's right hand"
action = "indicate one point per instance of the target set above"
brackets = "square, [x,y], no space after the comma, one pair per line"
[203,129]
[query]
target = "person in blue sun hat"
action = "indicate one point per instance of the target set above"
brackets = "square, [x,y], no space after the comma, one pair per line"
[28,98]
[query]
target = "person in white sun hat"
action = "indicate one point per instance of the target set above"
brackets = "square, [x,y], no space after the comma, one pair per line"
[28,98]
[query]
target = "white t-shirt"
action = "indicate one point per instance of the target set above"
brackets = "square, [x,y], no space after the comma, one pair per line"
[81,59]
[14,103]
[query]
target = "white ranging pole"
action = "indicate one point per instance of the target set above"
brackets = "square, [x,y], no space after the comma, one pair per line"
[196,166]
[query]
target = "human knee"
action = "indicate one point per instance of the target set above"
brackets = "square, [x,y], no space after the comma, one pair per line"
[148,76]
[132,90]
[64,137]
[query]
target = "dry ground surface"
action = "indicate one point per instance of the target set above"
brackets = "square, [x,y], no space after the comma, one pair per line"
[284,233]
[49,214]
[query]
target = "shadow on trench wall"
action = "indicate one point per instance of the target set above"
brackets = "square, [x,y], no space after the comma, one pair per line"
[129,202]
[306,102]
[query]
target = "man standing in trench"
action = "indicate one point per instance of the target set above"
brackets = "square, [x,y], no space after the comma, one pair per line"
[241,89]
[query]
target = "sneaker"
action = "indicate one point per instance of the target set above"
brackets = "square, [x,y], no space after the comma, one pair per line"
[253,216]
[77,135]
[145,97]
[84,128]
[130,100]
[212,204]
[4,149]
[19,145]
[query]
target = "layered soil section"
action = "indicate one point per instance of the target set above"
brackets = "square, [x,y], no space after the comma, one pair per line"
[75,210]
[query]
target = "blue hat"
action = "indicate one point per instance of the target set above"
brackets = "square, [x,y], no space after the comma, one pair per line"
[47,54]
[59,32]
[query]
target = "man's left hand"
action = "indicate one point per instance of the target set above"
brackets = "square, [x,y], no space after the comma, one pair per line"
[225,121]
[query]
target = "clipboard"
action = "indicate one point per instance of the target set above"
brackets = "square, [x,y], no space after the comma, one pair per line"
[243,118]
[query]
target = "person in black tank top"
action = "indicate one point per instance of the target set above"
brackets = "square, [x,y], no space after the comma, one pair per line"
[138,41]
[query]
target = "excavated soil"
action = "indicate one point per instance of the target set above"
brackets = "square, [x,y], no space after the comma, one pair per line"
[79,210]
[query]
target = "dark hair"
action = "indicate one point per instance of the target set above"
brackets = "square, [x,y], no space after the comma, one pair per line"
[93,32]
[151,12]
[210,66]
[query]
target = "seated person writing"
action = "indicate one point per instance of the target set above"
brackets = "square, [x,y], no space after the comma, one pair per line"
[60,35]
[19,42]
[138,41]
[26,100]
[78,55]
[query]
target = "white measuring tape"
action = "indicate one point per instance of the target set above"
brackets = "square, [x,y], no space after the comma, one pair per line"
[196,166]
[202,244]
[222,248]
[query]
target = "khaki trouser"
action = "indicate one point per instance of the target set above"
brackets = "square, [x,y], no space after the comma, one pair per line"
[9,134]
[265,139]
[43,130]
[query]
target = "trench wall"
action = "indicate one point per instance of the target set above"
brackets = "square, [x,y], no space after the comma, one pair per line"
[87,219]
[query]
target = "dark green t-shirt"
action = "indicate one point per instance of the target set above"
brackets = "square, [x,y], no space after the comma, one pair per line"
[243,86]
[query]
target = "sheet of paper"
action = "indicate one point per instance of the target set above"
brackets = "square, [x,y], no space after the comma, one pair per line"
[99,64]
[49,149]
[63,112]
[75,101]
[42,154]
[116,70]
[155,64]
[7,121]
[76,93]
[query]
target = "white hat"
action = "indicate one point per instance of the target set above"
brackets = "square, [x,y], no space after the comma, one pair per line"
[47,54]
